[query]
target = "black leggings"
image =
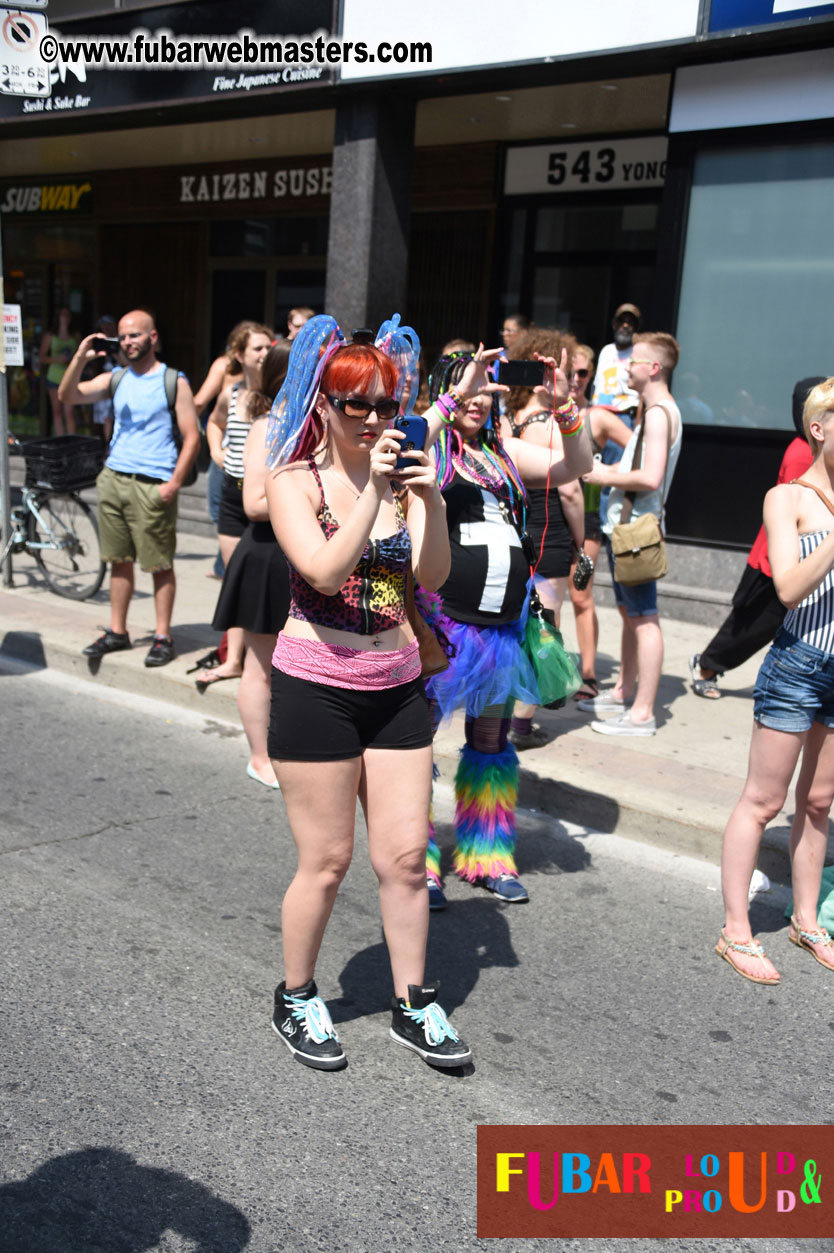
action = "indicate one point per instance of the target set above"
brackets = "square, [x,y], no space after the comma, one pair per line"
[488,732]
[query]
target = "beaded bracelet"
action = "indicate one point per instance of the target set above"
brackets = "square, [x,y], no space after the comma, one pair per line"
[572,421]
[448,405]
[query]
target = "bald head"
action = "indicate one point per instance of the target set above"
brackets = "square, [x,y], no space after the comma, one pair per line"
[138,338]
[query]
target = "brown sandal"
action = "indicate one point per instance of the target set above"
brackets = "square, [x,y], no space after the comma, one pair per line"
[752,949]
[810,939]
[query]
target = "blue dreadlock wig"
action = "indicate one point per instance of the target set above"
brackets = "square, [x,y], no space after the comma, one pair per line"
[401,345]
[295,430]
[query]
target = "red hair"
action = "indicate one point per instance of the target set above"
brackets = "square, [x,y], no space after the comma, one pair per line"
[351,371]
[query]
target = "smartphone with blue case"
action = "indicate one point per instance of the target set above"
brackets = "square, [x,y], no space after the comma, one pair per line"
[416,432]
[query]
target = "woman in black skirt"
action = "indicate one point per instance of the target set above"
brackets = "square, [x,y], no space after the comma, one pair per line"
[226,432]
[255,591]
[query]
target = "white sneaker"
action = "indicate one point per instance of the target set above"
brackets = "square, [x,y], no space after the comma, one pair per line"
[605,703]
[624,726]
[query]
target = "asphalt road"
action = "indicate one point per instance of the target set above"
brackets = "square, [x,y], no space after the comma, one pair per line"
[149,1105]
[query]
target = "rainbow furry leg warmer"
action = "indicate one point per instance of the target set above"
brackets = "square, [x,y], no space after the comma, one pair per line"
[433,854]
[486,790]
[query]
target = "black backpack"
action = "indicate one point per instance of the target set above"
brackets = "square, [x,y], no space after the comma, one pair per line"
[171,397]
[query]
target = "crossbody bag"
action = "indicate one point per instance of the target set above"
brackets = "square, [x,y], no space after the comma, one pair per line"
[639,547]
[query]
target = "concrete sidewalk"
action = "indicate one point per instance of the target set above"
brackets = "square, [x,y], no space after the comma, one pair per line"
[675,789]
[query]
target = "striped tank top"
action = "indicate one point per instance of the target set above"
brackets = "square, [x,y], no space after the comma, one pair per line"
[813,620]
[237,430]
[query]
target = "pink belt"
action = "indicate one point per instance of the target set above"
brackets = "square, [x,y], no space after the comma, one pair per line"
[335,665]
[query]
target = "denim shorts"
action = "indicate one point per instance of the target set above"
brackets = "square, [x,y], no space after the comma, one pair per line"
[795,686]
[638,601]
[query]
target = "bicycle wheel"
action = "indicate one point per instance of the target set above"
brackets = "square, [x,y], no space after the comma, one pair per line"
[68,549]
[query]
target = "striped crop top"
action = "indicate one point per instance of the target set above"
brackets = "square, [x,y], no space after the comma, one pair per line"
[373,597]
[812,621]
[237,429]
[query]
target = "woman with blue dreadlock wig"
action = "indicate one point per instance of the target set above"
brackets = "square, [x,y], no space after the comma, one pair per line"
[486,601]
[349,711]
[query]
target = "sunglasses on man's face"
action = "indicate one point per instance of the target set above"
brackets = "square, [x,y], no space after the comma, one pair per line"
[356,407]
[581,374]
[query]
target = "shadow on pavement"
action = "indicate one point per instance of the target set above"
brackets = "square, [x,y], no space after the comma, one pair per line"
[100,1200]
[24,646]
[470,936]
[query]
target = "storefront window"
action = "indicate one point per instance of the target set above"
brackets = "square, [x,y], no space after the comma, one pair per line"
[569,264]
[592,228]
[46,267]
[270,237]
[755,305]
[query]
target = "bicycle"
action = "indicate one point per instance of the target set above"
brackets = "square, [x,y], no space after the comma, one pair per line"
[50,521]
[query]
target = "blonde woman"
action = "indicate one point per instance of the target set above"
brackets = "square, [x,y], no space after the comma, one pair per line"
[793,709]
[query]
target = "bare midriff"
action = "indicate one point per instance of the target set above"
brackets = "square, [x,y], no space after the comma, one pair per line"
[386,641]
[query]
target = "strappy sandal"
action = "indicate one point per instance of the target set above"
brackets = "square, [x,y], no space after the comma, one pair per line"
[752,949]
[210,662]
[588,691]
[810,940]
[707,688]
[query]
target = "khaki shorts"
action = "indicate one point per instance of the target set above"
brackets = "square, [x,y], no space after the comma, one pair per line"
[134,522]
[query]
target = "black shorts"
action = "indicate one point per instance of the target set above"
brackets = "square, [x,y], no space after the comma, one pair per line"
[316,722]
[593,526]
[231,519]
[557,557]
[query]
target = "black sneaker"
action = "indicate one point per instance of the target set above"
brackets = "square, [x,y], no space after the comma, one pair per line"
[161,651]
[426,1029]
[303,1023]
[536,737]
[110,642]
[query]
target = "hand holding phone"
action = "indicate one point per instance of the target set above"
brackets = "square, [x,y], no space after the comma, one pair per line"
[416,432]
[106,343]
[521,373]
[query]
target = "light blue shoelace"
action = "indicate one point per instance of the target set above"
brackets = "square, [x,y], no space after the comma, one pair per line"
[435,1024]
[313,1013]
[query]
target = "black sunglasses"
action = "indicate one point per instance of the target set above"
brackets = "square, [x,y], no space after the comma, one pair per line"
[581,374]
[356,407]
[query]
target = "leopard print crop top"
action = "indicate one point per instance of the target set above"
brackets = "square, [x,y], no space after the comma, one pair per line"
[373,598]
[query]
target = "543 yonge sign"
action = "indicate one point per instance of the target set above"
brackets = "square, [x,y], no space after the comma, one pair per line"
[606,165]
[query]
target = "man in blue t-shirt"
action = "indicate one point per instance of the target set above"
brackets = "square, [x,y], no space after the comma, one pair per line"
[145,468]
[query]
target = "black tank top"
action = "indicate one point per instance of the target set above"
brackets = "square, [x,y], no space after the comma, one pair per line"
[488,579]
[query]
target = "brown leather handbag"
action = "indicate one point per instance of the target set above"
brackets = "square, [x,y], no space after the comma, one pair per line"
[433,659]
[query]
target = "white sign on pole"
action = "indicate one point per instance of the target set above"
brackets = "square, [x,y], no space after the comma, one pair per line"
[23,71]
[612,164]
[12,336]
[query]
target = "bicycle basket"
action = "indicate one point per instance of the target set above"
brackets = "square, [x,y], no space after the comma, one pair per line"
[63,463]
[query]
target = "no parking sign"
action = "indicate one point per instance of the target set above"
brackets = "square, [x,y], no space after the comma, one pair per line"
[23,71]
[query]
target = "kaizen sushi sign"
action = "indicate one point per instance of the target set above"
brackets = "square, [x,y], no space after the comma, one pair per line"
[603,166]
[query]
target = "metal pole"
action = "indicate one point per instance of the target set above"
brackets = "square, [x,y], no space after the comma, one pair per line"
[5,487]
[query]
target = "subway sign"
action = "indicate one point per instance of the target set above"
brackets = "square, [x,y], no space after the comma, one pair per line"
[48,198]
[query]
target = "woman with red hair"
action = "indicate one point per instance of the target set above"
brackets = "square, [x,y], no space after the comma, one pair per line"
[349,712]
